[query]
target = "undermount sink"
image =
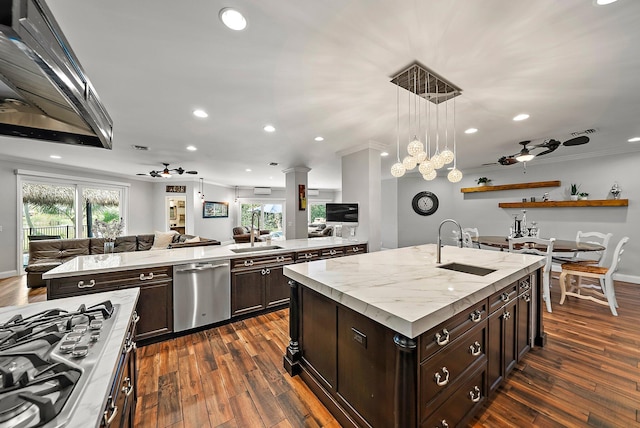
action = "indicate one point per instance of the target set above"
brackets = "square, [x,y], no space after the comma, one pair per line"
[252,249]
[473,270]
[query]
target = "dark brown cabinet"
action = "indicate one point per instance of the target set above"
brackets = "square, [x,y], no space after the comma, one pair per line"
[525,297]
[503,352]
[247,292]
[155,304]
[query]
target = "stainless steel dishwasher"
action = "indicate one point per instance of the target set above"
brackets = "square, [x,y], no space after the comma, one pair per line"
[201,294]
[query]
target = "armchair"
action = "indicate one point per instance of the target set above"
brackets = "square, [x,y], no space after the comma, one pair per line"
[241,234]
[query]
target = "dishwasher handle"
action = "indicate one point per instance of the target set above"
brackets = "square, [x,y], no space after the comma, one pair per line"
[202,267]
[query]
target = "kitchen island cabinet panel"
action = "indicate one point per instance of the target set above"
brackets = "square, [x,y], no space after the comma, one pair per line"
[502,345]
[318,318]
[247,292]
[276,287]
[155,308]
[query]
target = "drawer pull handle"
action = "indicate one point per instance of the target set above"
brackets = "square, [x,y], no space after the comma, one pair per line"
[475,349]
[280,258]
[475,316]
[505,297]
[356,249]
[332,252]
[127,388]
[524,285]
[506,315]
[526,297]
[475,394]
[108,419]
[248,262]
[444,381]
[442,339]
[144,277]
[265,271]
[443,424]
[308,256]
[91,283]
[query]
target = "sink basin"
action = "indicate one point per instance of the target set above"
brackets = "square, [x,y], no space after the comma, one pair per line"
[473,270]
[254,249]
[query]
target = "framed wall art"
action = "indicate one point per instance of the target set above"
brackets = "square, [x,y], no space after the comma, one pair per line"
[215,209]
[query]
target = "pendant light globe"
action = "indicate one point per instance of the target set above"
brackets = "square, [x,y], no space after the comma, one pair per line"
[421,157]
[426,167]
[409,162]
[398,169]
[437,161]
[454,175]
[415,147]
[433,174]
[447,156]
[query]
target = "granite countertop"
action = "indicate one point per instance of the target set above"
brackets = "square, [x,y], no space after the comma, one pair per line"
[403,289]
[100,263]
[92,399]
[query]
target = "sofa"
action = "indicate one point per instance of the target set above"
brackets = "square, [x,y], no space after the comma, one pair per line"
[45,255]
[241,234]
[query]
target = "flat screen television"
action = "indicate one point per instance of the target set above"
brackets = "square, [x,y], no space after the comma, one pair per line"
[342,213]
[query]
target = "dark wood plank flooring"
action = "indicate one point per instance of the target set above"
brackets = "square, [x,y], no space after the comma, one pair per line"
[587,376]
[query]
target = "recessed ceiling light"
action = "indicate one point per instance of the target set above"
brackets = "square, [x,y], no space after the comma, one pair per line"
[471,131]
[604,2]
[521,116]
[200,113]
[233,19]
[192,148]
[383,154]
[319,139]
[248,169]
[634,139]
[55,157]
[269,128]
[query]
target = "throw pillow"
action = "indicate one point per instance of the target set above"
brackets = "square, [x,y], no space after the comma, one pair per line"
[161,240]
[194,239]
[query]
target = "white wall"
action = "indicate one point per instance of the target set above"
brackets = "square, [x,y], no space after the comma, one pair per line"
[140,205]
[596,176]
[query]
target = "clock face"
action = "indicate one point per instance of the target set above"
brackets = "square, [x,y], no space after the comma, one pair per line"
[425,203]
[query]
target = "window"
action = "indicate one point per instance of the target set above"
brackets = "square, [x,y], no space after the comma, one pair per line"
[270,215]
[317,212]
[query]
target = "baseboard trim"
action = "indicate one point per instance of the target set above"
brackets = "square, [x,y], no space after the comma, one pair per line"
[8,274]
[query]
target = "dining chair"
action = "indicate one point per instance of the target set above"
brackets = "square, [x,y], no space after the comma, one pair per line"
[467,242]
[540,247]
[473,231]
[602,292]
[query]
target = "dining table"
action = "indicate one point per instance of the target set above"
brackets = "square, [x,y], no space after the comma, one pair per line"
[559,245]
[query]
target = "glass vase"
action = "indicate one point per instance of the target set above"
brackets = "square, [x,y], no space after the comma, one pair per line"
[108,247]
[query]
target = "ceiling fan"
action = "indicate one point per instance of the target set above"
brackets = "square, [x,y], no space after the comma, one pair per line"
[528,151]
[166,172]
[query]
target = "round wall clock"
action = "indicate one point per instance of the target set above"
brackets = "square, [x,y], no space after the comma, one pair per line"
[425,203]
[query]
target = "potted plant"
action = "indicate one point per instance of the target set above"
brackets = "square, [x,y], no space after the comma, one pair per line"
[583,196]
[483,181]
[574,191]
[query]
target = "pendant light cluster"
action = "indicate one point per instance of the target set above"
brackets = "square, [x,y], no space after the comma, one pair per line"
[426,86]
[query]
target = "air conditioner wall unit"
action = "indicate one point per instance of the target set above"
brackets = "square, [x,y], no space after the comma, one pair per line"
[313,192]
[262,190]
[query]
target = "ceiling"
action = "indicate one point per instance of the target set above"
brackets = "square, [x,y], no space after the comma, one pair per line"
[323,68]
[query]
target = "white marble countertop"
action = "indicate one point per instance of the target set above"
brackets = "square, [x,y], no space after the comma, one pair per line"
[91,400]
[404,290]
[100,263]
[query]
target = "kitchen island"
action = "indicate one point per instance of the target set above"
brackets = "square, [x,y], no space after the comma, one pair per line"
[256,281]
[393,339]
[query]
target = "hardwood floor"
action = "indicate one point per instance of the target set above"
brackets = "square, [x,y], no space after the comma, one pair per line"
[232,376]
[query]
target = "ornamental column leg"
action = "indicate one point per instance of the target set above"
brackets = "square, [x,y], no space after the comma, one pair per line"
[291,359]
[405,399]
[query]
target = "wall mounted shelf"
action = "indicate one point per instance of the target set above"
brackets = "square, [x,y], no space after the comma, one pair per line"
[563,204]
[532,185]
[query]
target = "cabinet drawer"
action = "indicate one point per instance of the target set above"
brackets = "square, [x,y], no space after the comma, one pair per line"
[355,249]
[461,404]
[442,336]
[327,253]
[85,284]
[261,261]
[499,299]
[446,369]
[307,256]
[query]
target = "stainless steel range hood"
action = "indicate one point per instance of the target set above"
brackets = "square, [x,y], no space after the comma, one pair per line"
[44,92]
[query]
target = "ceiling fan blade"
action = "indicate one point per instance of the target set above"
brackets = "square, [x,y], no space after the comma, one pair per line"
[191,172]
[583,139]
[551,146]
[179,170]
[507,160]
[142,173]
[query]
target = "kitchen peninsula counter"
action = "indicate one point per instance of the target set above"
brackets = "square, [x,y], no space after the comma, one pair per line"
[403,330]
[103,263]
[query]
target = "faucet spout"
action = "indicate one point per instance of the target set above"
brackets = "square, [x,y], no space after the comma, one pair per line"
[439,251]
[254,214]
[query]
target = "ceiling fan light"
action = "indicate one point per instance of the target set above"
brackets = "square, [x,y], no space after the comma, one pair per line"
[165,174]
[398,169]
[409,162]
[415,147]
[447,156]
[454,175]
[433,174]
[525,156]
